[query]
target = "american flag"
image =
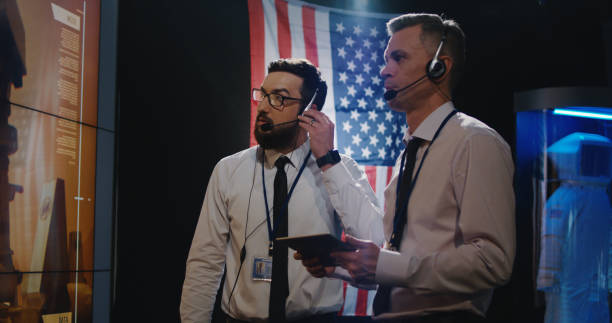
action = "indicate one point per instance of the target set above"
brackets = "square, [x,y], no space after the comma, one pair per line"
[348,49]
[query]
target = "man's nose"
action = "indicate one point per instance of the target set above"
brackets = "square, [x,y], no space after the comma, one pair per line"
[263,105]
[385,71]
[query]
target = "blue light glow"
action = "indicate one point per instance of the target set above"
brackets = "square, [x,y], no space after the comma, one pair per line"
[584,113]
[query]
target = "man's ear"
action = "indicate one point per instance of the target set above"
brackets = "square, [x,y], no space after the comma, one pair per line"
[448,62]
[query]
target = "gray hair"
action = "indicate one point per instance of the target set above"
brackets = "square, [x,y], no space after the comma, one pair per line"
[433,27]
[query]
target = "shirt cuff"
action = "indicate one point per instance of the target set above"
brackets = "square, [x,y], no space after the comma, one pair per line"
[393,268]
[343,274]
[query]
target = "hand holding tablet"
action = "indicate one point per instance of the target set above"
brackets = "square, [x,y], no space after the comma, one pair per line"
[316,245]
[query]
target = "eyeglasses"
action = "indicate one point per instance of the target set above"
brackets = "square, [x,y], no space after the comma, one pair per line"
[276,101]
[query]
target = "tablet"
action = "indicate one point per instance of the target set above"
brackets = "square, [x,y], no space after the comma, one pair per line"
[316,245]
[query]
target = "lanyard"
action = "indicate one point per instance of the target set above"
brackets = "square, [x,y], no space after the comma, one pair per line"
[400,213]
[285,205]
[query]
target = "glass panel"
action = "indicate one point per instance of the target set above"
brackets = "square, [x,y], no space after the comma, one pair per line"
[564,173]
[51,183]
[44,296]
[58,46]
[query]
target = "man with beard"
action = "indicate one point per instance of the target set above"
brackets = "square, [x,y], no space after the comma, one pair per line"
[292,184]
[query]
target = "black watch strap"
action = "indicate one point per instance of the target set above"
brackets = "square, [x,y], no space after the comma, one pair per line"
[332,157]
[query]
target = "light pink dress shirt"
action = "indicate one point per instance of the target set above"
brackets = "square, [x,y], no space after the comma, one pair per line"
[459,239]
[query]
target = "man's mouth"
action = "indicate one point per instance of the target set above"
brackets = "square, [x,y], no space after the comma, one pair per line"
[263,120]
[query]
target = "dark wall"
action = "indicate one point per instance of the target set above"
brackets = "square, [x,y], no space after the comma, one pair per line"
[184,104]
[184,79]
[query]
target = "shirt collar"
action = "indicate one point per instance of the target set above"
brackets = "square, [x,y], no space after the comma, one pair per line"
[296,157]
[427,129]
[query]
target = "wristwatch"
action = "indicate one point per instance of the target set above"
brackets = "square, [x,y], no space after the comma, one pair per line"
[332,157]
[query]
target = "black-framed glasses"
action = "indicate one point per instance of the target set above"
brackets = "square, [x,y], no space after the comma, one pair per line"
[276,100]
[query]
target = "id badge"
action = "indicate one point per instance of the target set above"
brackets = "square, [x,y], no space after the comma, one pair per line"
[262,269]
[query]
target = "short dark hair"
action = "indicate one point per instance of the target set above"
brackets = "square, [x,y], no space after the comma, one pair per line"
[432,28]
[308,72]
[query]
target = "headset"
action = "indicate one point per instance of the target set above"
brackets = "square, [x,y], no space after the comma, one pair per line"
[436,67]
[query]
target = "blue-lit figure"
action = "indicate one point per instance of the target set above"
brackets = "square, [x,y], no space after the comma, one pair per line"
[576,228]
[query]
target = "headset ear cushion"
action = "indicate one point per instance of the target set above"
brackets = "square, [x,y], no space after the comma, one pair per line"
[435,70]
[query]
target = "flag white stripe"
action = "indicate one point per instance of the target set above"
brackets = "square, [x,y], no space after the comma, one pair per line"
[381,183]
[350,300]
[298,48]
[325,64]
[371,295]
[271,30]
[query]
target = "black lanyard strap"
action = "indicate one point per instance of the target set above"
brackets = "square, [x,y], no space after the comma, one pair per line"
[399,221]
[271,230]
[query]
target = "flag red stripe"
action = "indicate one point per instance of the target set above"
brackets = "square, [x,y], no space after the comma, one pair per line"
[310,34]
[361,308]
[282,25]
[389,174]
[371,173]
[258,43]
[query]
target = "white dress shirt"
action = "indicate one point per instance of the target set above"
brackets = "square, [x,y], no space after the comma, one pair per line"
[234,201]
[459,238]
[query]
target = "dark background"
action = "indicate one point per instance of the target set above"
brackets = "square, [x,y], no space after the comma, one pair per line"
[184,82]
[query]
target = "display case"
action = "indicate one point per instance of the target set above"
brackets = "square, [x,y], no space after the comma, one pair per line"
[564,193]
[57,145]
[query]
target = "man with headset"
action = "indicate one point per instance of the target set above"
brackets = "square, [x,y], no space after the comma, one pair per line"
[280,187]
[449,208]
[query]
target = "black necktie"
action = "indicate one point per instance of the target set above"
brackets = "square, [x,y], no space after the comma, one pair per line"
[279,288]
[411,152]
[383,294]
